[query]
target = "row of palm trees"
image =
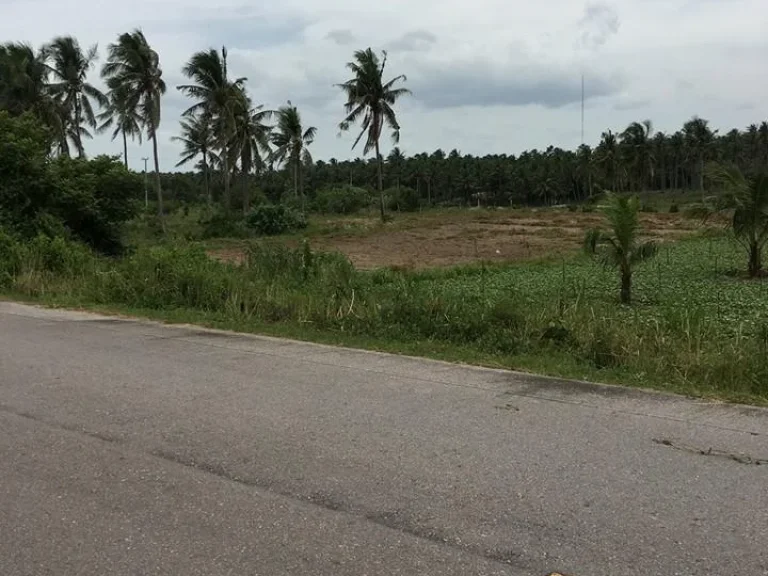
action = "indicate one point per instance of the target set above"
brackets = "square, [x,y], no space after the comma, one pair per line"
[222,127]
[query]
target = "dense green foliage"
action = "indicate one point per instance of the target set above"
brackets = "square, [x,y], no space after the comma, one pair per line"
[274,219]
[695,328]
[86,199]
[342,200]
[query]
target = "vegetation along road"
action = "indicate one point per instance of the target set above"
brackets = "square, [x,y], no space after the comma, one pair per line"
[129,447]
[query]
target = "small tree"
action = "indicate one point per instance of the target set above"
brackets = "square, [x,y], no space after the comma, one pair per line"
[620,247]
[746,200]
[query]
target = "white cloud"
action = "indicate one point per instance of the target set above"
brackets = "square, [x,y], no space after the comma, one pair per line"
[488,75]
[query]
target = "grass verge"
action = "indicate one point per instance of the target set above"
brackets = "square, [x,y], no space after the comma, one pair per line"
[697,328]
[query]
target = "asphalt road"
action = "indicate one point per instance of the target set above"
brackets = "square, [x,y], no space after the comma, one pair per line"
[131,448]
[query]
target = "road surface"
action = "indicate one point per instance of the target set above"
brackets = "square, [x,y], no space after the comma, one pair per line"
[132,448]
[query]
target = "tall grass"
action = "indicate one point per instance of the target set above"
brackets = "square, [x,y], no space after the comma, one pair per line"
[695,328]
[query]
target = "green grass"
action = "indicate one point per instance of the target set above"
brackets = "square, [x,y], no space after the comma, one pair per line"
[697,327]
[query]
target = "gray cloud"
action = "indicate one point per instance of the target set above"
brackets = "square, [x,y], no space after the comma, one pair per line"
[625,105]
[413,40]
[341,37]
[599,22]
[479,84]
[250,32]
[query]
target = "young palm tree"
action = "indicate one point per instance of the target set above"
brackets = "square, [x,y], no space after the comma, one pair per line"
[133,69]
[197,139]
[69,70]
[124,120]
[218,97]
[291,140]
[251,141]
[745,199]
[370,100]
[620,247]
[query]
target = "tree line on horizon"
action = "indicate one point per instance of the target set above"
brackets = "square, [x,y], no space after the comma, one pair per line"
[236,145]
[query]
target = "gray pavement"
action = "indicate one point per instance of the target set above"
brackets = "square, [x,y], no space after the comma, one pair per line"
[133,448]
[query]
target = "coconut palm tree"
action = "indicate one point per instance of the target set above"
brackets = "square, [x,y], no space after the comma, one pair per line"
[370,100]
[197,140]
[291,140]
[636,140]
[220,98]
[396,161]
[607,156]
[69,69]
[124,120]
[251,141]
[133,70]
[24,74]
[699,139]
[620,247]
[745,199]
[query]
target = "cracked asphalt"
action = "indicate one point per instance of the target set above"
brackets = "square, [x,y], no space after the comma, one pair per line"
[134,448]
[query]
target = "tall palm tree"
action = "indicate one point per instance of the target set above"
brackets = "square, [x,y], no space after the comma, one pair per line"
[637,141]
[197,140]
[607,157]
[124,120]
[24,74]
[699,139]
[396,161]
[133,69]
[220,98]
[620,247]
[745,199]
[69,71]
[251,141]
[370,100]
[291,140]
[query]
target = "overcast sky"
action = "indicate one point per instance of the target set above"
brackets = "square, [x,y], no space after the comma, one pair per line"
[488,76]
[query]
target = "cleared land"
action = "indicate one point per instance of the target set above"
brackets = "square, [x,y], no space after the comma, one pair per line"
[448,237]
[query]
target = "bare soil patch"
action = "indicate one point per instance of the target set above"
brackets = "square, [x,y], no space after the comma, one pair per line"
[438,239]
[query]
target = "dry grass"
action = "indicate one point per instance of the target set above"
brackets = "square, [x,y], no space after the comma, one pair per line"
[449,237]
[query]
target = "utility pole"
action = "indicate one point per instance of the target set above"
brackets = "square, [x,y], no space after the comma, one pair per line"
[146,194]
[582,109]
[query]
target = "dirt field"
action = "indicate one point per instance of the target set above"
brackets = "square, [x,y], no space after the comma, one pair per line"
[447,238]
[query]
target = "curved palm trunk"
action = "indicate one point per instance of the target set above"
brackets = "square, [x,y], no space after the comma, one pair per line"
[78,136]
[206,180]
[381,181]
[225,165]
[296,177]
[246,193]
[160,213]
[125,151]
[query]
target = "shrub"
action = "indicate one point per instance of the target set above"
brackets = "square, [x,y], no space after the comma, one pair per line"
[273,219]
[343,200]
[674,208]
[404,200]
[89,200]
[220,224]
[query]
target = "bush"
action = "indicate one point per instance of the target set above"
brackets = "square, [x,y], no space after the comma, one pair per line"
[343,200]
[89,200]
[220,224]
[403,200]
[674,208]
[273,219]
